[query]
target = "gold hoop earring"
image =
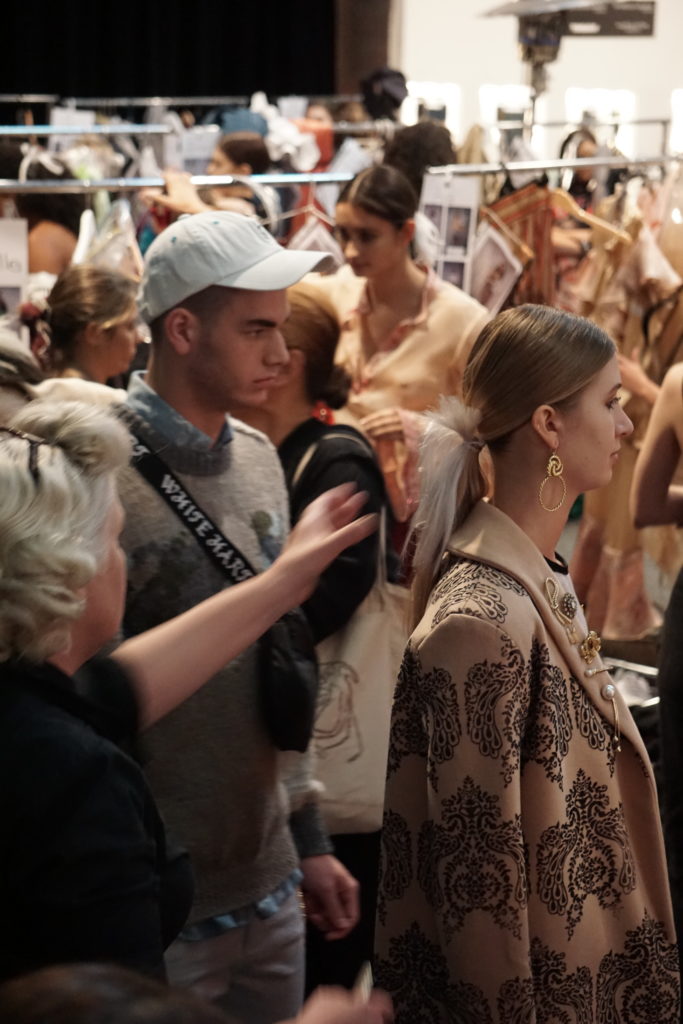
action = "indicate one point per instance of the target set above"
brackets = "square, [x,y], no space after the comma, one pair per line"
[553,471]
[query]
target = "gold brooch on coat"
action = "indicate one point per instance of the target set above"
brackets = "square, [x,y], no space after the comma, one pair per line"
[564,606]
[590,648]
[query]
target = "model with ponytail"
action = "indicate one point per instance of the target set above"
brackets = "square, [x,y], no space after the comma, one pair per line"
[522,863]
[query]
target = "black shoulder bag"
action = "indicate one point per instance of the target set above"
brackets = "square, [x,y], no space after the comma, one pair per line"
[287,664]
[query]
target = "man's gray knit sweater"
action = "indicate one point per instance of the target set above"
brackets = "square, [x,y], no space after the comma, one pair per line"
[212,767]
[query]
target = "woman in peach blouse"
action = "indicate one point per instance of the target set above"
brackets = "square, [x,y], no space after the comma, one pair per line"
[405,334]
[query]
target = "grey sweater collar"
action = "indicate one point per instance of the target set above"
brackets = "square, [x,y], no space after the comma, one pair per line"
[180,444]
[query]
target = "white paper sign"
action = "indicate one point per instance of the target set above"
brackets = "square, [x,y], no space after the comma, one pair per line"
[13,262]
[198,144]
[495,269]
[68,117]
[451,202]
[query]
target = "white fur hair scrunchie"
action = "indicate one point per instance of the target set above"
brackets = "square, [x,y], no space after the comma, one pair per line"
[448,456]
[456,417]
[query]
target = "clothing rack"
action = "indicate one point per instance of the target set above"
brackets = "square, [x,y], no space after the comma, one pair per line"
[107,102]
[67,186]
[26,97]
[574,126]
[24,131]
[180,101]
[382,126]
[353,97]
[361,128]
[555,165]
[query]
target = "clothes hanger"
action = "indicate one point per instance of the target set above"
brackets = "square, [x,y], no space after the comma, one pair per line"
[524,253]
[310,210]
[564,201]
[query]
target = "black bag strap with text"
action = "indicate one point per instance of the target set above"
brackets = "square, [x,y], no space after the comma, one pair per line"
[288,667]
[217,547]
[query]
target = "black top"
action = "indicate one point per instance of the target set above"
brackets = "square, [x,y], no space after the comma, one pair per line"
[85,873]
[337,459]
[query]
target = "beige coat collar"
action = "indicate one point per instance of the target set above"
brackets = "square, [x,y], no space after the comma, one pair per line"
[491,537]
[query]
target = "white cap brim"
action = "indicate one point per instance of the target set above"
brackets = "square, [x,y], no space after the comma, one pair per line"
[281,269]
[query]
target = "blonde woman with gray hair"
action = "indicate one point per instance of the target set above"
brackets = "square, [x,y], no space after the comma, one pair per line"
[523,875]
[85,869]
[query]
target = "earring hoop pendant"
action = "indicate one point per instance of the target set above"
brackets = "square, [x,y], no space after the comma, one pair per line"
[553,472]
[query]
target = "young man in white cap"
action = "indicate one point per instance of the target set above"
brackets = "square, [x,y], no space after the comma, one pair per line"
[213,292]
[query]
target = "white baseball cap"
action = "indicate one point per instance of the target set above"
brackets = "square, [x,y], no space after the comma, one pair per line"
[218,248]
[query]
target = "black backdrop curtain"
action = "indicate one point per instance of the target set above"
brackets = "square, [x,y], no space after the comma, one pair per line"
[168,47]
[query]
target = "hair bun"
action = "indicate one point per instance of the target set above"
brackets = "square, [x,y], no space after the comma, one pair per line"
[336,392]
[90,437]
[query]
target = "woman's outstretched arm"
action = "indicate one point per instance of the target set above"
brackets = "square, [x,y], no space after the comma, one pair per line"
[169,663]
[654,498]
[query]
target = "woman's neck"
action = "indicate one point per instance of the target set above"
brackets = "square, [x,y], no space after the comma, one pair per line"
[86,366]
[399,287]
[524,508]
[545,533]
[278,419]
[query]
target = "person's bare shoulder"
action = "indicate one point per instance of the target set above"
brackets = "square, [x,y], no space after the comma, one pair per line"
[50,247]
[669,411]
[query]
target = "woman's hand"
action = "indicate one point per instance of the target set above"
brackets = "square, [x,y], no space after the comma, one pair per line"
[327,526]
[170,662]
[385,425]
[395,434]
[635,380]
[180,196]
[330,895]
[339,1006]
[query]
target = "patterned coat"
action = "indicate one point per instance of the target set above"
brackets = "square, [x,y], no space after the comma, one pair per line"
[523,872]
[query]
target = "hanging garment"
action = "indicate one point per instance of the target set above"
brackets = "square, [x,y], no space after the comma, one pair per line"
[529,214]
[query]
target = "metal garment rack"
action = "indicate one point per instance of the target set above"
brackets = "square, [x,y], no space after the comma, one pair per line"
[109,102]
[24,131]
[28,97]
[576,125]
[554,165]
[180,101]
[71,186]
[664,124]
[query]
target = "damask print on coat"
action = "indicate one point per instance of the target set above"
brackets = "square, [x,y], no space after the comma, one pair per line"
[397,860]
[425,716]
[496,703]
[591,725]
[518,711]
[587,855]
[552,993]
[641,983]
[474,589]
[547,736]
[473,860]
[522,899]
[416,973]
